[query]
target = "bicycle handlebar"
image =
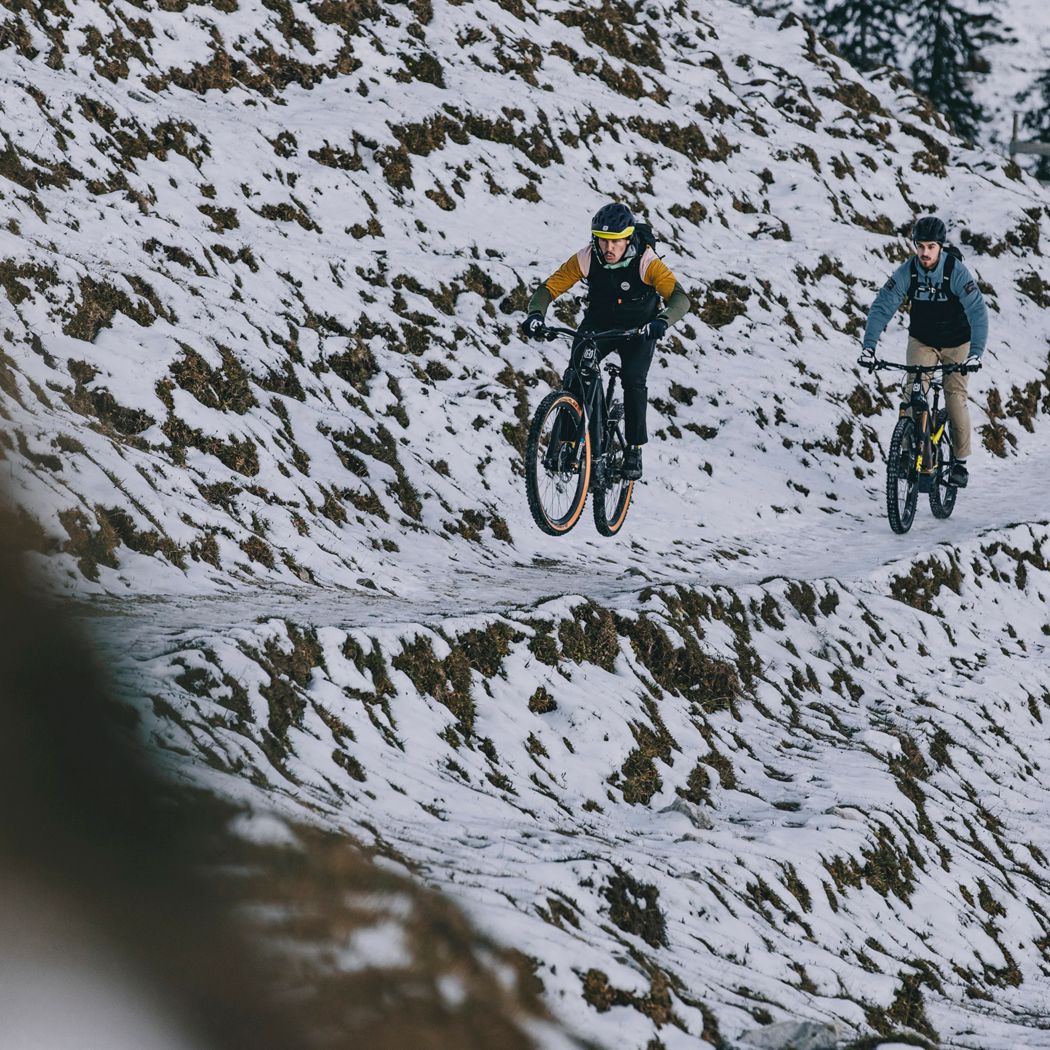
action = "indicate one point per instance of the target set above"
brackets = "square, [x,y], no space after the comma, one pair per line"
[612,333]
[873,364]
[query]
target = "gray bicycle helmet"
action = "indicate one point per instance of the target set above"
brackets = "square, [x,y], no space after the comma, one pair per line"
[929,228]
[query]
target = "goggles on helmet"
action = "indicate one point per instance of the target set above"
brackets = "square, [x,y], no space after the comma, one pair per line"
[606,234]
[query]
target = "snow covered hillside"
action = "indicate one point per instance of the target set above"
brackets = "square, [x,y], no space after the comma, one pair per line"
[264,409]
[260,310]
[709,811]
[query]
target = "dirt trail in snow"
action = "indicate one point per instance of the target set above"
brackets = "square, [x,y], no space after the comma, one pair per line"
[655,549]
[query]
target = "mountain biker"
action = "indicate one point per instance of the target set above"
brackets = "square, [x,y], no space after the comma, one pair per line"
[949,323]
[625,283]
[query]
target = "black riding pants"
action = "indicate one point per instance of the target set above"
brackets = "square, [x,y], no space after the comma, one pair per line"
[636,355]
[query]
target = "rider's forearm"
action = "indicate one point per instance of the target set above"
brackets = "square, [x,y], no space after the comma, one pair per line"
[541,299]
[890,296]
[964,285]
[677,305]
[882,310]
[978,319]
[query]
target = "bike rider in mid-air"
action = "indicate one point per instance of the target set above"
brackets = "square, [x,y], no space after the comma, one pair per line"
[948,325]
[625,283]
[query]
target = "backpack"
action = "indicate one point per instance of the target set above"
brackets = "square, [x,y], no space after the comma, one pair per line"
[951,255]
[643,232]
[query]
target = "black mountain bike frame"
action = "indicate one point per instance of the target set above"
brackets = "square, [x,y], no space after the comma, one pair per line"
[930,419]
[600,414]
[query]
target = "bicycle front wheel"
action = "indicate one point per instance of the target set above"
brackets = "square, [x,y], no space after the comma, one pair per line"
[902,476]
[611,503]
[557,463]
[943,494]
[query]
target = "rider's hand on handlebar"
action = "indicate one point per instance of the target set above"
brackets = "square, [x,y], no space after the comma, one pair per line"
[867,358]
[532,326]
[655,329]
[971,364]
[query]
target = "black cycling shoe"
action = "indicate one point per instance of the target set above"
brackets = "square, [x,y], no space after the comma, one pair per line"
[632,463]
[959,476]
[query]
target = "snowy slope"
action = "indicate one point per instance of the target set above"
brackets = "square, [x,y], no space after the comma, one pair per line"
[260,337]
[757,759]
[715,809]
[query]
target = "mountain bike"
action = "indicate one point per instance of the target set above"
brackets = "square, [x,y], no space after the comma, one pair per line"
[576,444]
[921,457]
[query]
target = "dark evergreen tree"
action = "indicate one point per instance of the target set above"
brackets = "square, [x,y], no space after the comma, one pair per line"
[946,41]
[1037,121]
[867,33]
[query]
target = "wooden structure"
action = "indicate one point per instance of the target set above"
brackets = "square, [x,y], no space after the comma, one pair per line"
[1040,148]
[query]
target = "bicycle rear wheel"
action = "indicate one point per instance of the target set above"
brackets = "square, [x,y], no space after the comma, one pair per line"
[611,502]
[902,477]
[943,495]
[557,466]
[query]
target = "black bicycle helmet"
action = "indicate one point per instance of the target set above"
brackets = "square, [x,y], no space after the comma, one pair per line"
[613,221]
[610,223]
[929,228]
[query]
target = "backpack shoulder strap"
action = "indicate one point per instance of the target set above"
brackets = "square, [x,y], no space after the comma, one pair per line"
[913,283]
[949,269]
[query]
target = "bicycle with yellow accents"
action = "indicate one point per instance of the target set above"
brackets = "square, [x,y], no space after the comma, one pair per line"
[920,458]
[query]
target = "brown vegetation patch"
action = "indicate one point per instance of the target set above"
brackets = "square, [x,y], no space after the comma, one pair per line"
[91,546]
[1038,290]
[994,435]
[99,303]
[682,669]
[925,581]
[724,303]
[351,445]
[536,142]
[149,542]
[12,275]
[612,26]
[656,1004]
[448,681]
[239,454]
[290,664]
[541,702]
[635,908]
[225,388]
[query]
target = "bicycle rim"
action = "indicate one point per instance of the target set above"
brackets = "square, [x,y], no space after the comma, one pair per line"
[902,481]
[557,471]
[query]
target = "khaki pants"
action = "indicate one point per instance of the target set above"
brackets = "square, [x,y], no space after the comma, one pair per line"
[954,388]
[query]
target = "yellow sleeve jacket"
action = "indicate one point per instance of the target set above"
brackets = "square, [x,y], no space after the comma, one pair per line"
[653,270]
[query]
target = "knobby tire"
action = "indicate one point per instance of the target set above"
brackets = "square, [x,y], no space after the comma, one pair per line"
[943,495]
[610,504]
[542,485]
[902,481]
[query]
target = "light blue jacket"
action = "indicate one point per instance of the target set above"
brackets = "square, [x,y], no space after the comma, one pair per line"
[895,291]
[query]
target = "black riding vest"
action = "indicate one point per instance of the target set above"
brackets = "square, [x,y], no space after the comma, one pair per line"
[619,298]
[939,321]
